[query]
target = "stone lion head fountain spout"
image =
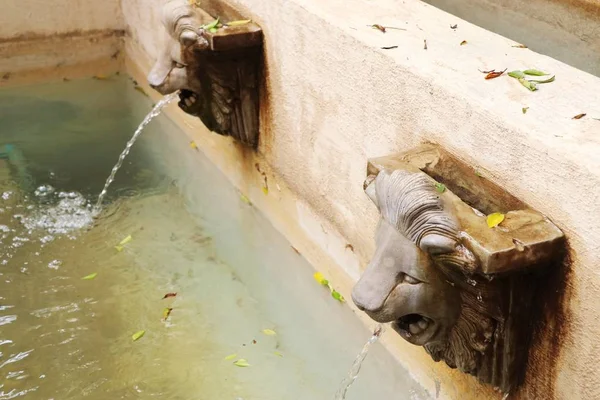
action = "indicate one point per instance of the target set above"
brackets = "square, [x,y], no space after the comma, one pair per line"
[212,56]
[444,278]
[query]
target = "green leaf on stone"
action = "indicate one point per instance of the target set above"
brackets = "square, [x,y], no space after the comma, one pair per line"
[529,85]
[516,74]
[212,25]
[534,72]
[524,109]
[544,81]
[138,335]
[90,276]
[440,187]
[336,295]
[241,363]
[213,30]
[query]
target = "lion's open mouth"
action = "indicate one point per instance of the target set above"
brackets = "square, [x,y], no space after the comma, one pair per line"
[188,101]
[413,324]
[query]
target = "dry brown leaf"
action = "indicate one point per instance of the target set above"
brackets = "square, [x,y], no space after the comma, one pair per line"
[579,116]
[463,42]
[378,27]
[494,74]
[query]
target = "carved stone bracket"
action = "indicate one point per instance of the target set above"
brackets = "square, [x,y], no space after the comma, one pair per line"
[442,276]
[212,55]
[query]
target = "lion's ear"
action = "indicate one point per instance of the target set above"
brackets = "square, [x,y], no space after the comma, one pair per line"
[369,188]
[437,244]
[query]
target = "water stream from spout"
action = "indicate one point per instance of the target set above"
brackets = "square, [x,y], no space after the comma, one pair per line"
[355,370]
[154,113]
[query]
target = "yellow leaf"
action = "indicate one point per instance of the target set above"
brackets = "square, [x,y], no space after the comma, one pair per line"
[494,219]
[138,335]
[230,357]
[90,276]
[119,248]
[125,241]
[245,199]
[265,190]
[278,354]
[166,313]
[193,145]
[239,22]
[269,332]
[241,363]
[321,279]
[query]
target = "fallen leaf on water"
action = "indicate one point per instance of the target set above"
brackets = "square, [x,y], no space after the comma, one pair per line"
[389,47]
[278,354]
[128,239]
[193,145]
[336,295]
[463,42]
[524,109]
[378,27]
[494,219]
[100,77]
[230,357]
[166,296]
[245,199]
[516,74]
[320,278]
[579,116]
[269,332]
[551,79]
[265,190]
[534,72]
[90,276]
[520,46]
[212,25]
[138,335]
[529,85]
[254,341]
[494,74]
[141,90]
[239,22]
[166,313]
[241,363]
[440,187]
[454,26]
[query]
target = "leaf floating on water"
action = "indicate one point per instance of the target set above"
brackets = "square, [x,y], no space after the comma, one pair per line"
[278,354]
[534,72]
[529,85]
[239,22]
[125,241]
[90,276]
[463,42]
[241,363]
[245,199]
[524,109]
[494,219]
[269,332]
[230,357]
[141,90]
[138,335]
[321,279]
[579,116]
[520,46]
[100,77]
[336,295]
[166,296]
[494,74]
[440,187]
[265,190]
[378,27]
[193,145]
[167,313]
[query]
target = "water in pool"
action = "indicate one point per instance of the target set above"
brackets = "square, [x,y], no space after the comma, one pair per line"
[63,337]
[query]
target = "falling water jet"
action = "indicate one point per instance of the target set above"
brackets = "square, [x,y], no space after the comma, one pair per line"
[154,113]
[355,370]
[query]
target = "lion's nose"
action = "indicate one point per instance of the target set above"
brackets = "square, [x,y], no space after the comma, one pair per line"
[364,299]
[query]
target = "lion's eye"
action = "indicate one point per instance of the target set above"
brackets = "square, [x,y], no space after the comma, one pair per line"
[177,65]
[411,280]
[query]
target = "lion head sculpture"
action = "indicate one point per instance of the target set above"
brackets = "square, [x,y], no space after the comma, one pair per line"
[215,67]
[416,279]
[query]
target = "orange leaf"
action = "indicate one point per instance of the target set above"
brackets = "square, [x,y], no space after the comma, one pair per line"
[494,74]
[579,116]
[166,296]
